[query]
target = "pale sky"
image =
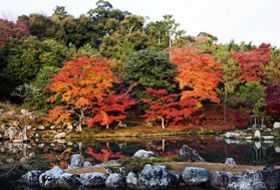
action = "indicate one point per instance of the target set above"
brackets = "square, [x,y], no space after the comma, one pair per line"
[241,20]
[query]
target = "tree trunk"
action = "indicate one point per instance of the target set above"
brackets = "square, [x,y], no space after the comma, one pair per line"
[225,106]
[79,127]
[255,119]
[162,123]
[107,126]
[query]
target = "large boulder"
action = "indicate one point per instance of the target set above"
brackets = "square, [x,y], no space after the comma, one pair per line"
[257,134]
[244,183]
[176,179]
[190,155]
[76,161]
[87,164]
[94,179]
[132,180]
[115,181]
[196,176]
[31,177]
[154,177]
[144,154]
[271,178]
[57,178]
[220,180]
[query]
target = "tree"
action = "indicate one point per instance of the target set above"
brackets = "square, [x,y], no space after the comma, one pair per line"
[60,12]
[149,69]
[161,33]
[252,62]
[198,74]
[272,99]
[167,107]
[128,37]
[77,86]
[230,73]
[251,95]
[8,29]
[110,108]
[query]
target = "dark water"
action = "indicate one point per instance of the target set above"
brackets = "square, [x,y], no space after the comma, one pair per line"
[43,155]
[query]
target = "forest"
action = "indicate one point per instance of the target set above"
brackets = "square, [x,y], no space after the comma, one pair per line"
[109,67]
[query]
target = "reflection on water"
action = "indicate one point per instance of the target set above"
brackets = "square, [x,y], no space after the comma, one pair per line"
[212,149]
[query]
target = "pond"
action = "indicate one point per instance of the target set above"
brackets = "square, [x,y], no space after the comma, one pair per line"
[44,155]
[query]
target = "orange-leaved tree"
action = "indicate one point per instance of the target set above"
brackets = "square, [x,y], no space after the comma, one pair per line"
[110,108]
[198,74]
[252,62]
[77,86]
[166,107]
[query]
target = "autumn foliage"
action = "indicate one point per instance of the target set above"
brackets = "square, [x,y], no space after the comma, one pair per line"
[167,108]
[252,62]
[198,74]
[104,155]
[81,89]
[110,108]
[9,29]
[272,99]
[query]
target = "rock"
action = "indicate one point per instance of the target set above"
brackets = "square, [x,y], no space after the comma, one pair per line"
[68,181]
[49,178]
[11,133]
[56,177]
[176,179]
[87,164]
[196,176]
[24,112]
[190,155]
[277,149]
[243,183]
[76,161]
[69,127]
[132,180]
[220,180]
[94,179]
[52,127]
[276,125]
[252,175]
[257,134]
[31,177]
[37,135]
[230,161]
[232,135]
[271,178]
[154,177]
[41,127]
[60,135]
[144,154]
[115,181]
[28,127]
[248,138]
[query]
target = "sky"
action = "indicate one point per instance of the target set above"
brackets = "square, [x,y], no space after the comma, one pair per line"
[241,20]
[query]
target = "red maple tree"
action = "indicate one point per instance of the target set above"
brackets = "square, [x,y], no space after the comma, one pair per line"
[251,62]
[77,87]
[272,99]
[198,74]
[166,107]
[9,29]
[110,108]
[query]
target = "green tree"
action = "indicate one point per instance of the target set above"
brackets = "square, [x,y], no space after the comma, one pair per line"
[149,69]
[252,96]
[128,38]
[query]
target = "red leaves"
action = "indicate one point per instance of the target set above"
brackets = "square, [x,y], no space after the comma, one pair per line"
[272,99]
[82,85]
[110,108]
[9,29]
[168,106]
[198,74]
[104,155]
[251,62]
